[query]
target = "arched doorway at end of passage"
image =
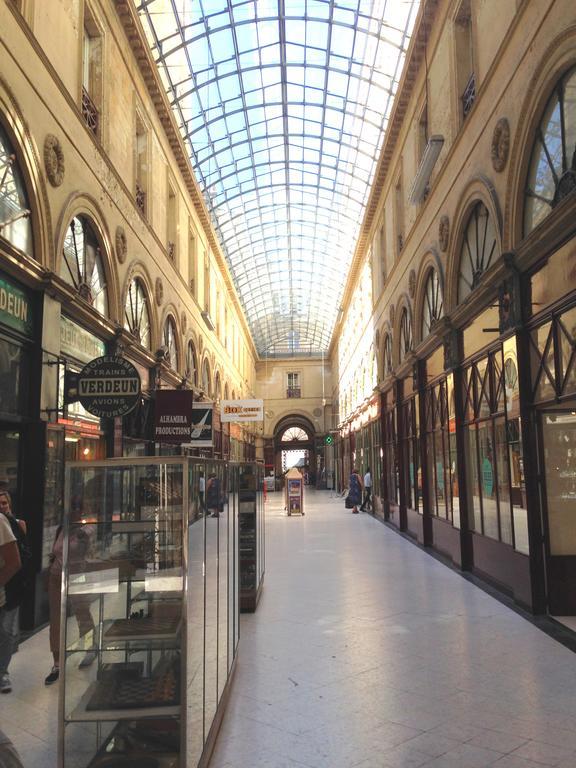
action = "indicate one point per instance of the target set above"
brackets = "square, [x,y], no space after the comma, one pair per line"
[294,446]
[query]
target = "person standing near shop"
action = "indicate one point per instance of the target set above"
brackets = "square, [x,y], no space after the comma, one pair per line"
[367,489]
[213,498]
[355,491]
[10,564]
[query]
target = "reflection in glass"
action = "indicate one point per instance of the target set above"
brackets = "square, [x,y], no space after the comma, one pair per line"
[195,607]
[473,479]
[211,615]
[559,439]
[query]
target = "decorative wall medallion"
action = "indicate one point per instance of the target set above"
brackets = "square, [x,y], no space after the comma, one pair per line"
[392,315]
[159,291]
[121,245]
[184,323]
[412,283]
[500,144]
[53,160]
[317,411]
[444,233]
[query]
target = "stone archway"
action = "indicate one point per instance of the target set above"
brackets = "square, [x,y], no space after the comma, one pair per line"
[294,422]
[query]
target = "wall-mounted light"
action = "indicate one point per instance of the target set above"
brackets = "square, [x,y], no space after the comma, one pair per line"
[427,163]
[208,320]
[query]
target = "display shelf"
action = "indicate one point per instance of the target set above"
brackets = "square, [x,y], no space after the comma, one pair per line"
[154,692]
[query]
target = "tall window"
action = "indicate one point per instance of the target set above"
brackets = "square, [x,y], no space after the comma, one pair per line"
[192,265]
[293,385]
[479,250]
[442,457]
[206,283]
[136,315]
[406,339]
[82,264]
[433,307]
[192,364]
[552,174]
[206,385]
[141,163]
[172,224]
[169,342]
[463,40]
[91,72]
[399,214]
[15,225]
[387,355]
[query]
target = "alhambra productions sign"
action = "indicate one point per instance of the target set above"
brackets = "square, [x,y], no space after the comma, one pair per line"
[242,410]
[108,386]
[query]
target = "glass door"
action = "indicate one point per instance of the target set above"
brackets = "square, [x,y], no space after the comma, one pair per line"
[558,472]
[9,453]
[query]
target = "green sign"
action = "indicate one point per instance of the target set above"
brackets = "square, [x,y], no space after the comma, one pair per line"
[15,308]
[328,440]
[487,477]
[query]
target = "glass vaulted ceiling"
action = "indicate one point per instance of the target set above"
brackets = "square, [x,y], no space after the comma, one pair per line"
[283,105]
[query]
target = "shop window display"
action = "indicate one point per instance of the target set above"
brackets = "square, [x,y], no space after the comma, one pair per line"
[441,453]
[492,443]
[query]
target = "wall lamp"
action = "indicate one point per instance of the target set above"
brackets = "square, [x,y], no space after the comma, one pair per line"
[208,320]
[427,163]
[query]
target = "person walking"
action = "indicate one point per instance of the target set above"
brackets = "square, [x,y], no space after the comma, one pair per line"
[355,490]
[10,564]
[367,489]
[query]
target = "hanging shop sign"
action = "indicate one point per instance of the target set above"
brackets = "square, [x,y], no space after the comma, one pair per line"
[173,416]
[15,307]
[201,433]
[106,387]
[242,410]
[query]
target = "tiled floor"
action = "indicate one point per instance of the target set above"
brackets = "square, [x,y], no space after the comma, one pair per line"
[364,652]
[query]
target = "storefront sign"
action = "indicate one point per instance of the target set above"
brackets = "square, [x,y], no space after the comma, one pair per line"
[78,343]
[173,416]
[242,410]
[109,386]
[15,308]
[201,432]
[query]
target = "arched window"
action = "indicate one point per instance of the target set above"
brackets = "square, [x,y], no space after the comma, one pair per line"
[192,364]
[387,355]
[433,307]
[226,392]
[293,433]
[217,388]
[406,341]
[552,169]
[169,342]
[206,386]
[15,225]
[136,316]
[479,250]
[82,264]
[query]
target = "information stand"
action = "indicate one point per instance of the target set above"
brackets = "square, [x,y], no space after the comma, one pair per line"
[294,492]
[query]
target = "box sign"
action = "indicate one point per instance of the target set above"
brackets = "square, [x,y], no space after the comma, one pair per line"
[242,410]
[201,430]
[173,416]
[108,386]
[78,343]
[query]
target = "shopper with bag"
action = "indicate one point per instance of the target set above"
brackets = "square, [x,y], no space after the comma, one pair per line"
[354,491]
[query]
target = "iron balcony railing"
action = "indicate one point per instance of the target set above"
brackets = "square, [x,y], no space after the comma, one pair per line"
[90,112]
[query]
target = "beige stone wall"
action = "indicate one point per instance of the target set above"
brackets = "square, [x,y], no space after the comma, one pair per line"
[40,92]
[315,402]
[520,49]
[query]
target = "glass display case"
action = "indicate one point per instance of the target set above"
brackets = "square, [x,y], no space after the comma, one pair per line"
[251,534]
[150,624]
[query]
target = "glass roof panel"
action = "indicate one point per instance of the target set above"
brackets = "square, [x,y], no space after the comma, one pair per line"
[283,105]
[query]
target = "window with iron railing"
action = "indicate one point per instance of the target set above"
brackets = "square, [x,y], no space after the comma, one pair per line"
[293,392]
[90,112]
[468,96]
[140,199]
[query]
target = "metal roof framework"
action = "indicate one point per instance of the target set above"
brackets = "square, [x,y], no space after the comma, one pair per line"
[283,106]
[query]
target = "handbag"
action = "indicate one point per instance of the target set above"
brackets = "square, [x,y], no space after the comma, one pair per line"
[347,503]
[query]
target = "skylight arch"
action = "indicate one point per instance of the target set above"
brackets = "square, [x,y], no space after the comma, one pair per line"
[275,100]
